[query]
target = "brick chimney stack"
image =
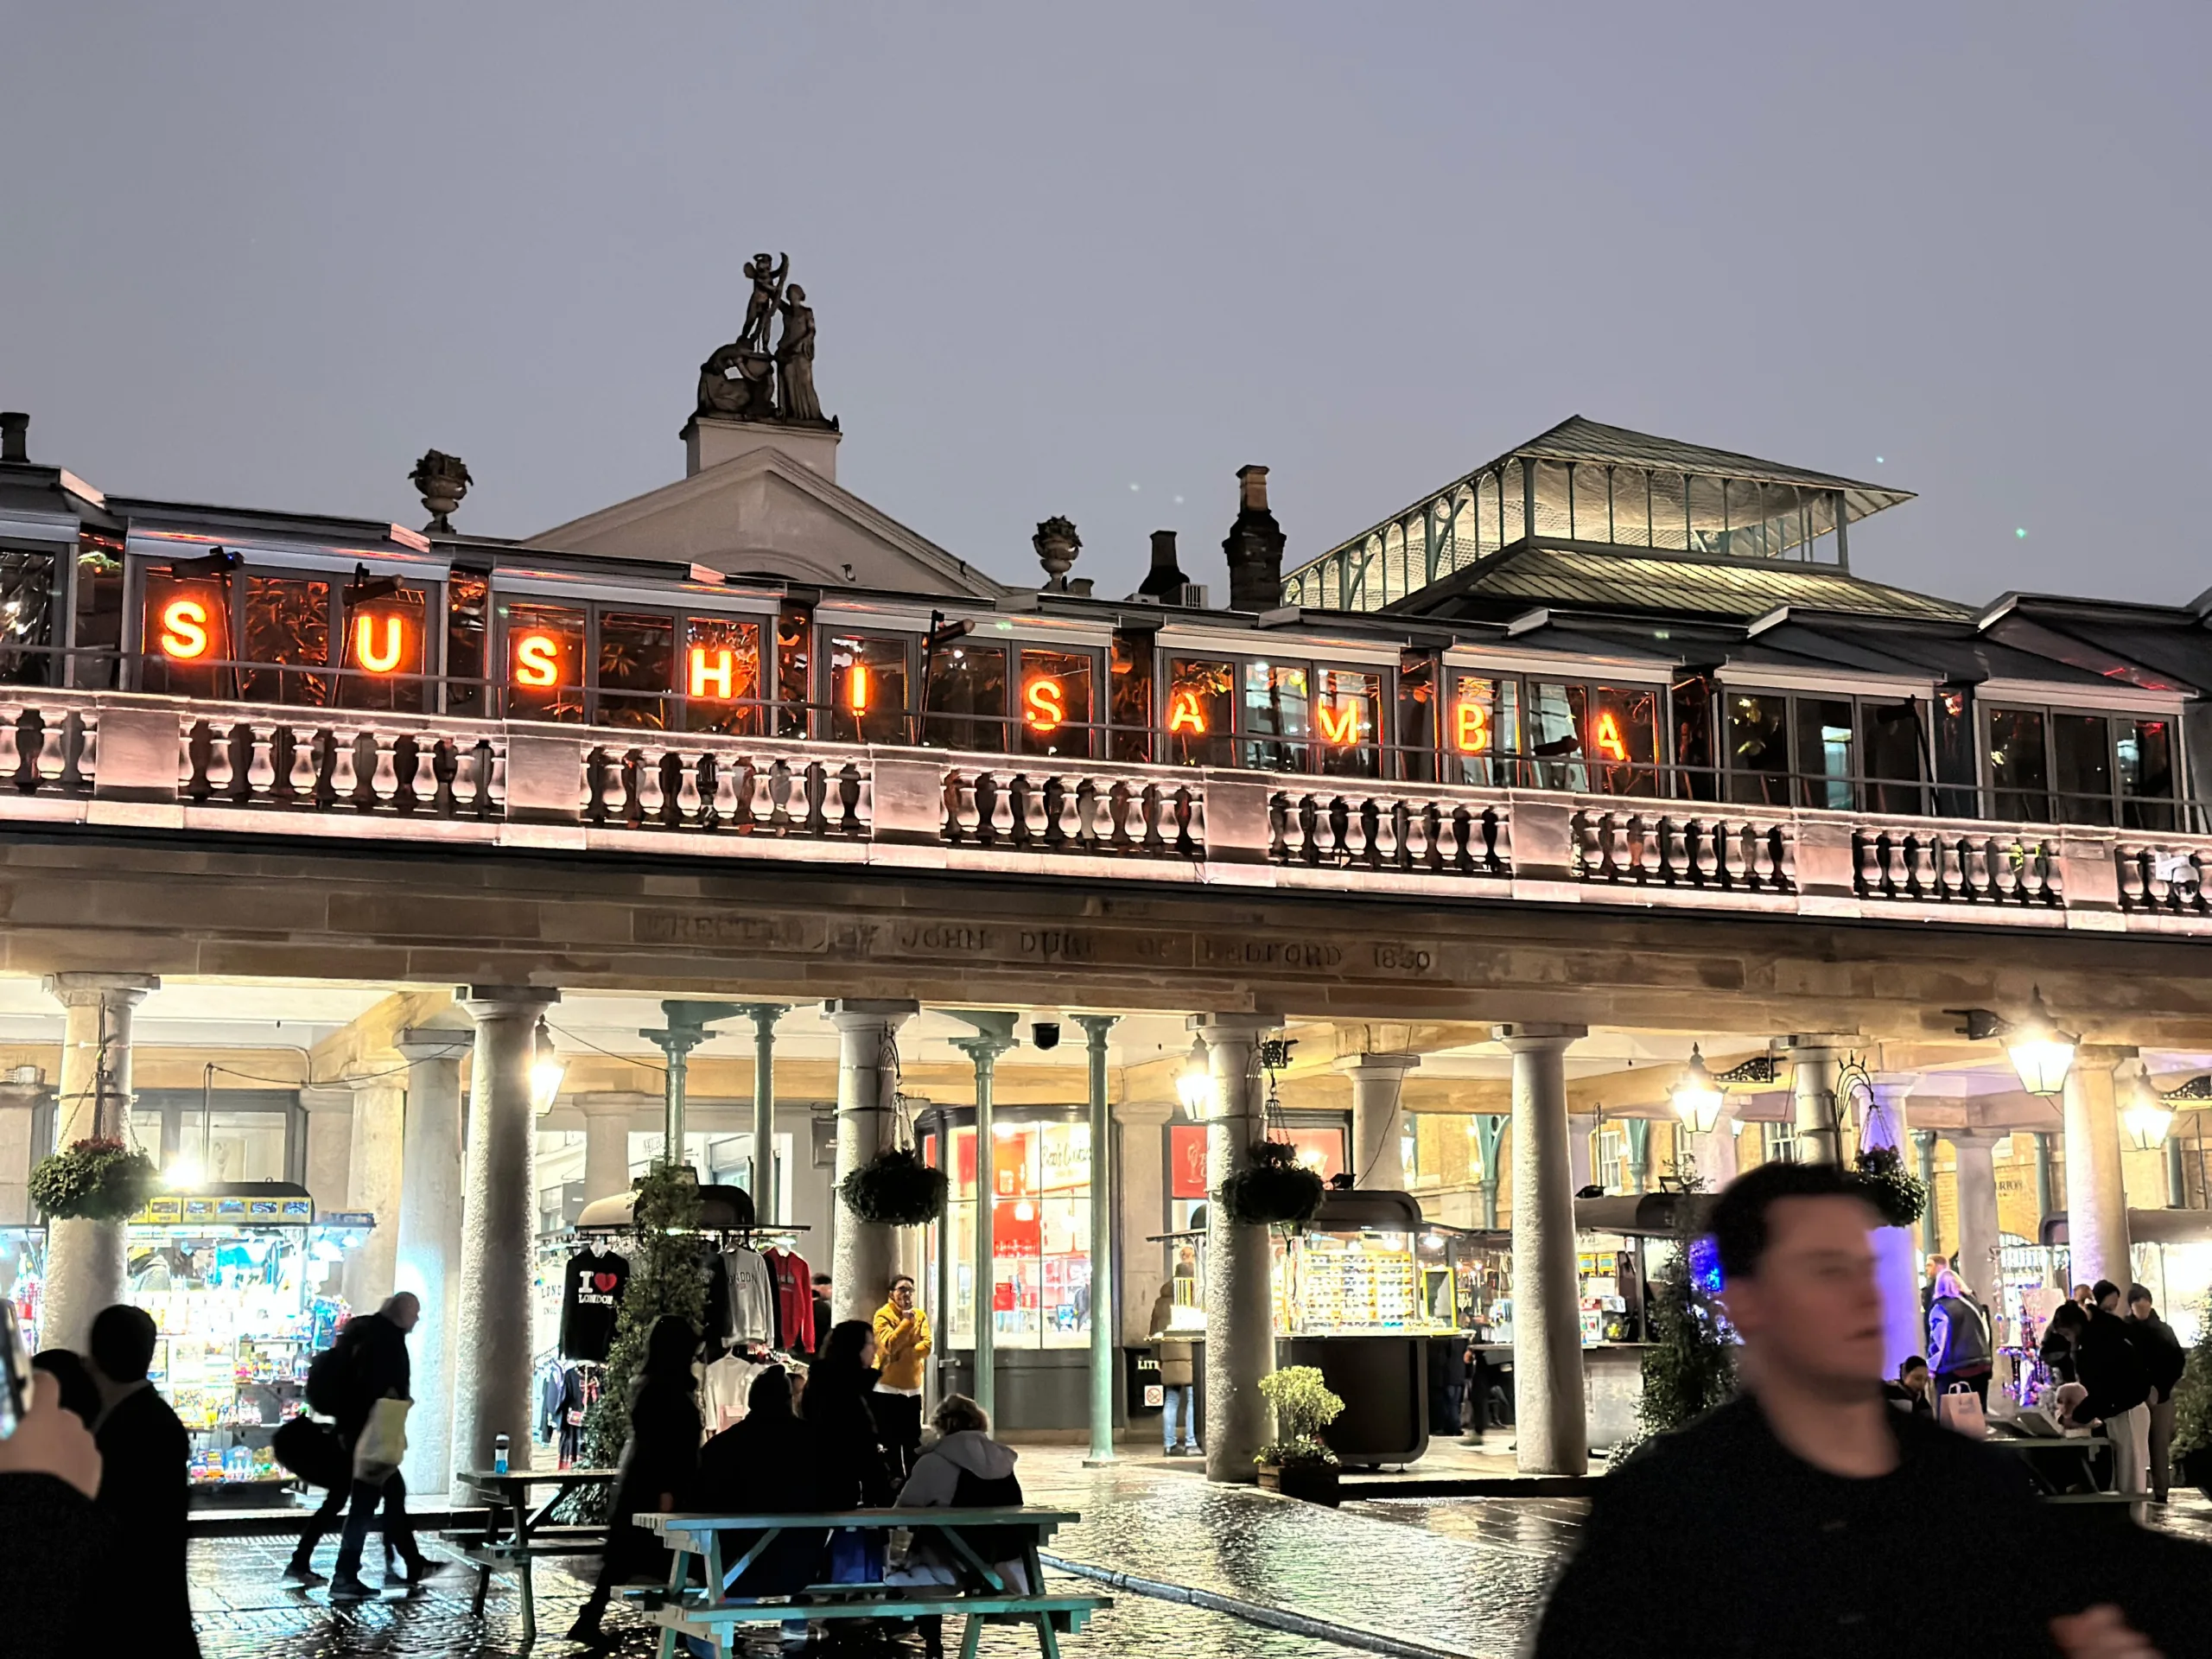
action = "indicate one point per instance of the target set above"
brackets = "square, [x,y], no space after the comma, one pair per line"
[1164,580]
[14,431]
[1254,546]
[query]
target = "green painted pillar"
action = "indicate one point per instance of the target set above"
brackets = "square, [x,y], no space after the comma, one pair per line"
[993,1036]
[1104,1304]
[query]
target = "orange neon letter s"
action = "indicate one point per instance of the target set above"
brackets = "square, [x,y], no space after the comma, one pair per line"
[1610,742]
[538,660]
[184,629]
[1471,728]
[1046,712]
[1186,716]
[1340,725]
[718,676]
[365,649]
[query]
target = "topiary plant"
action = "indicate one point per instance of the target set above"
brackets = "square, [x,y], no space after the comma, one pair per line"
[99,1179]
[1303,1406]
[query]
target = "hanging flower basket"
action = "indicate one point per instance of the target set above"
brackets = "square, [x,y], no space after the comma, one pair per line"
[94,1181]
[1275,1191]
[896,1188]
[1899,1195]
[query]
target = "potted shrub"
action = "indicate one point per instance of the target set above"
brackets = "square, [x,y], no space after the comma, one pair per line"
[897,1188]
[2192,1449]
[1296,1463]
[1273,1190]
[99,1179]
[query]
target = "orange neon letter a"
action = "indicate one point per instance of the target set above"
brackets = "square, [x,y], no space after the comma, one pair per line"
[719,676]
[1610,742]
[1186,716]
[365,649]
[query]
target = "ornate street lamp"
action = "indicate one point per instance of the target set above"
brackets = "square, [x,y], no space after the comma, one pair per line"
[2146,1117]
[1194,1087]
[546,1072]
[2041,1054]
[1697,1097]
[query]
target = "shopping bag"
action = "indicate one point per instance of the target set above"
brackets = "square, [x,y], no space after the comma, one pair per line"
[312,1452]
[382,1444]
[1960,1409]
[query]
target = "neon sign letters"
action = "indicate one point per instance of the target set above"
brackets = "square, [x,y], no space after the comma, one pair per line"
[1340,725]
[721,673]
[366,650]
[1470,728]
[1186,716]
[1046,707]
[538,660]
[184,629]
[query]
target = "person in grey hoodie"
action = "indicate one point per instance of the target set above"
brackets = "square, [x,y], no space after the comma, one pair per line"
[966,1469]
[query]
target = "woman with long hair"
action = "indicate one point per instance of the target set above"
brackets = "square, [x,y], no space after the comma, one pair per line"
[836,1402]
[1958,1339]
[659,1461]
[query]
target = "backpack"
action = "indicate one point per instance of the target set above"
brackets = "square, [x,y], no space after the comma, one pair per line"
[334,1379]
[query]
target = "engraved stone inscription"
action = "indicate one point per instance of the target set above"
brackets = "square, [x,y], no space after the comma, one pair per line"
[726,931]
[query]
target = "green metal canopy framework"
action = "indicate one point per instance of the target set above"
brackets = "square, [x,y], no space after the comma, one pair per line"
[1584,485]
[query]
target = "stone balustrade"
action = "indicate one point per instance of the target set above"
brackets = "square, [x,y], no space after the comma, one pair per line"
[161,764]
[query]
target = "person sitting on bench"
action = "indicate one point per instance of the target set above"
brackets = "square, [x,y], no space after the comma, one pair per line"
[965,1470]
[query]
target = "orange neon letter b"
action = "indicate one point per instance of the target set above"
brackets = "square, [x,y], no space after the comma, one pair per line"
[1471,728]
[718,676]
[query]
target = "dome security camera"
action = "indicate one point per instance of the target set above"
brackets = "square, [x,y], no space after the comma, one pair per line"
[1045,1029]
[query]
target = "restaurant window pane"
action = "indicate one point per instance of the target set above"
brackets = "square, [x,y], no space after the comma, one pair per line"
[2019,773]
[2081,746]
[287,621]
[967,698]
[1694,762]
[1621,740]
[98,632]
[1055,709]
[1826,753]
[1592,504]
[1956,767]
[1198,695]
[2146,772]
[1554,743]
[545,661]
[1417,728]
[382,643]
[1759,749]
[1130,696]
[1890,736]
[637,668]
[1631,507]
[187,630]
[1348,719]
[721,675]
[1482,735]
[1276,705]
[467,611]
[794,676]
[867,689]
[29,600]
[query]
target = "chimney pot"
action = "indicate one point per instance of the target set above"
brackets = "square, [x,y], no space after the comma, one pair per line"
[1166,580]
[1253,546]
[1253,487]
[14,431]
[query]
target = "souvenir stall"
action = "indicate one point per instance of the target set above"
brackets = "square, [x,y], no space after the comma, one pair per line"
[23,1278]
[226,1271]
[1620,1242]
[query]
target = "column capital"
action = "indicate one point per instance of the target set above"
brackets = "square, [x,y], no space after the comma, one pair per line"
[509,1002]
[2105,1054]
[1820,1041]
[1218,1028]
[80,989]
[1096,1026]
[1145,1114]
[1360,1066]
[1537,1037]
[764,1015]
[847,1012]
[615,1102]
[1970,1140]
[434,1043]
[325,1097]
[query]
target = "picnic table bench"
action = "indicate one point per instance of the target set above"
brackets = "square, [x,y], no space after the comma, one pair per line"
[714,1613]
[514,1534]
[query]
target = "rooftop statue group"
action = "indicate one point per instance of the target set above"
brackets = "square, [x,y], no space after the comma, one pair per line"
[746,380]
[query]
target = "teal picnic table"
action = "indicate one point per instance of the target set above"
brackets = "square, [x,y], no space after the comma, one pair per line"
[514,1533]
[698,1542]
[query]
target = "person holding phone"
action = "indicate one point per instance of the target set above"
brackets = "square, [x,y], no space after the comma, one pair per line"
[53,1585]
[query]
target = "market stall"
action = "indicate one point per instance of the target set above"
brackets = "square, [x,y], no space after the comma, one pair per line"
[1620,1242]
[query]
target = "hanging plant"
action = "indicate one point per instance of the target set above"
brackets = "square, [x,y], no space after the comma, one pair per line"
[895,1188]
[1899,1195]
[1277,1190]
[94,1181]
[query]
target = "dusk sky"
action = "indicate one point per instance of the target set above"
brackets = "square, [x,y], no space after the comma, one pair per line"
[1089,260]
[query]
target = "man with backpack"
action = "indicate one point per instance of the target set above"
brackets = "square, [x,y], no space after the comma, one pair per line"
[367,1364]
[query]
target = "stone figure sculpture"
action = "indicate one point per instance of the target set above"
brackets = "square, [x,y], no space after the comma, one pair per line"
[795,361]
[442,480]
[745,395]
[746,380]
[767,292]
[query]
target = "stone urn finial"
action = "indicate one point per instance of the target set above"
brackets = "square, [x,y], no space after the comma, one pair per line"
[1057,545]
[442,480]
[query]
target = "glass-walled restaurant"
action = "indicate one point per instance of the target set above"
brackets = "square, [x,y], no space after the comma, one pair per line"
[631,645]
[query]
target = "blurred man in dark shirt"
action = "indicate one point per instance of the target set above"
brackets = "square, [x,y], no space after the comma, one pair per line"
[1811,1519]
[2163,1360]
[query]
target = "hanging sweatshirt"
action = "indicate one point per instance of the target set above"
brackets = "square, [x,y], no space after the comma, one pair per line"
[752,1297]
[591,1294]
[795,1332]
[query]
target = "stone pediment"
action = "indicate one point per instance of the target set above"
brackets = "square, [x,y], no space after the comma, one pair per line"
[765,513]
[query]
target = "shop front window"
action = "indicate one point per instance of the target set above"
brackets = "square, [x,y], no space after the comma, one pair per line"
[794,676]
[1759,749]
[636,666]
[1484,733]
[1417,727]
[468,600]
[381,641]
[2019,772]
[721,675]
[867,689]
[1055,711]
[1620,739]
[1826,756]
[2081,745]
[1348,721]
[1199,696]
[1891,740]
[287,623]
[1556,737]
[1130,698]
[1038,1295]
[1276,707]
[2145,751]
[966,699]
[545,662]
[30,604]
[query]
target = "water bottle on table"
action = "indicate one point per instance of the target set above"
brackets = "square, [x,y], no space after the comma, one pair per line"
[499,1454]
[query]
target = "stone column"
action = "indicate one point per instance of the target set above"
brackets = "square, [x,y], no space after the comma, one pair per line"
[764,1015]
[1813,1063]
[85,1264]
[1636,1131]
[427,1264]
[330,1109]
[19,1106]
[993,1036]
[1143,1210]
[374,1177]
[2176,1175]
[1974,1160]
[1096,1028]
[1240,1302]
[1378,1082]
[1551,1412]
[1924,1150]
[866,1252]
[1580,1127]
[2096,1202]
[2044,1185]
[609,1116]
[499,1224]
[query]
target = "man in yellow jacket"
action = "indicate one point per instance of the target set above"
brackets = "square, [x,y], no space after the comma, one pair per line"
[902,1343]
